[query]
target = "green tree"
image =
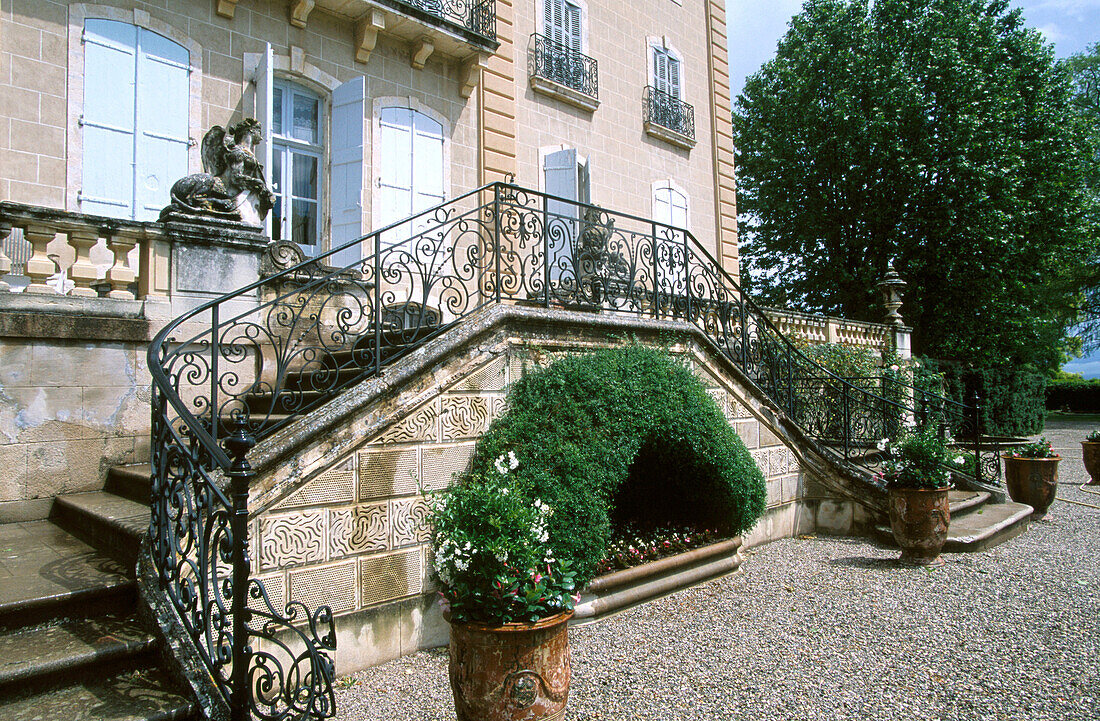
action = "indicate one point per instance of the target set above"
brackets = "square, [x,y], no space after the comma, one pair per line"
[940,134]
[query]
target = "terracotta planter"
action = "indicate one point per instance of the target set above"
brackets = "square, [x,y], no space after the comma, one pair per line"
[1090,454]
[919,518]
[1033,481]
[514,672]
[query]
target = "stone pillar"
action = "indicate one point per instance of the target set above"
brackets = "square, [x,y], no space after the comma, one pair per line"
[121,275]
[82,272]
[39,267]
[5,261]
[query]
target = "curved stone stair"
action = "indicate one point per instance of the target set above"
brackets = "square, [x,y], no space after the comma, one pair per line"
[71,644]
[977,522]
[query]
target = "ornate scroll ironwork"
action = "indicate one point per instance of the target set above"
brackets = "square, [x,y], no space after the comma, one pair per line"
[261,357]
[477,16]
[662,109]
[563,65]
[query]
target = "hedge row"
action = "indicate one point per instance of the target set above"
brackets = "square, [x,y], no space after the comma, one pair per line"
[1012,399]
[1078,396]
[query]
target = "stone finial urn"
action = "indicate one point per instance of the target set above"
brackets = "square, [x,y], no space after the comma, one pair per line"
[1090,454]
[919,518]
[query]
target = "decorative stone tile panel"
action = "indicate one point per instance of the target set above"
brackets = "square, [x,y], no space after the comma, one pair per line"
[336,485]
[420,426]
[358,529]
[721,399]
[292,539]
[275,585]
[762,457]
[441,463]
[464,417]
[498,407]
[488,378]
[409,521]
[777,458]
[384,473]
[332,585]
[389,577]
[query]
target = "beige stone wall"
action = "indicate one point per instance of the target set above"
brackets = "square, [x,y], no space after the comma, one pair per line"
[356,536]
[624,160]
[41,67]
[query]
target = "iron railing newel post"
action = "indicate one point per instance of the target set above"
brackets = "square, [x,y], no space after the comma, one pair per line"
[687,283]
[845,420]
[497,244]
[976,410]
[656,271]
[546,250]
[215,350]
[377,303]
[240,477]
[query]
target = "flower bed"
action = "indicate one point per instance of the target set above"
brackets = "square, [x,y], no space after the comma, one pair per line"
[632,546]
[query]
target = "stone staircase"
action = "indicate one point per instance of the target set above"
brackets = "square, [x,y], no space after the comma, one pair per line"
[977,522]
[72,645]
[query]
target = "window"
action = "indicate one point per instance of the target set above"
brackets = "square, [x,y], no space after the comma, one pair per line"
[562,23]
[297,154]
[670,206]
[666,72]
[410,178]
[135,119]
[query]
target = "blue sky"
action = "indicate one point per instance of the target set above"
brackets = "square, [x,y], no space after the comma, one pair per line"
[755,26]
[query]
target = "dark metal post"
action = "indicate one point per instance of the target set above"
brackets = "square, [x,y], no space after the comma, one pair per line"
[240,476]
[845,420]
[656,273]
[496,237]
[687,280]
[377,303]
[546,249]
[976,421]
[215,351]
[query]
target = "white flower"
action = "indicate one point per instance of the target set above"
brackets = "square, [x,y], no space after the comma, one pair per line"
[959,460]
[499,465]
[894,368]
[513,462]
[504,491]
[881,445]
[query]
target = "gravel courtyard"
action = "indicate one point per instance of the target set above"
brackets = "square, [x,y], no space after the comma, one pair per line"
[833,628]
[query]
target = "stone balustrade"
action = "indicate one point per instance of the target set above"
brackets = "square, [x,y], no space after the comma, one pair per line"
[820,329]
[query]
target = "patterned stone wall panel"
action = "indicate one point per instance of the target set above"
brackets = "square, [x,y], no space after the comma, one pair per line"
[292,539]
[422,425]
[442,463]
[763,460]
[429,581]
[332,585]
[777,459]
[705,376]
[384,473]
[275,585]
[737,408]
[409,522]
[389,577]
[490,377]
[721,399]
[359,529]
[464,416]
[498,406]
[336,485]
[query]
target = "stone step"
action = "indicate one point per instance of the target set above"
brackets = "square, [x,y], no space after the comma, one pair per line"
[960,501]
[134,482]
[50,574]
[59,653]
[987,526]
[113,523]
[132,696]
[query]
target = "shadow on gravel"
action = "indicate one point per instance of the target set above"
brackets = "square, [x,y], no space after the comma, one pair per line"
[868,563]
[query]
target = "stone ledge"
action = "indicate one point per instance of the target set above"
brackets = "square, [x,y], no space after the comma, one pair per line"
[564,93]
[29,316]
[670,136]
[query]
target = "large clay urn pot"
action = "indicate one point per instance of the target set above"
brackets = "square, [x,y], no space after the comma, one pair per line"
[919,518]
[1033,481]
[1090,454]
[514,672]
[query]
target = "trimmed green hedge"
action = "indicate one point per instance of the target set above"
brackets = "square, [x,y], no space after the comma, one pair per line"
[578,425]
[1012,399]
[1073,394]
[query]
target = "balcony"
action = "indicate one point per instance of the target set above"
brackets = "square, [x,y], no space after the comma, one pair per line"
[669,118]
[563,73]
[477,18]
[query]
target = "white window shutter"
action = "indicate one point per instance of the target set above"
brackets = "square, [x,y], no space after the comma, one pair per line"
[673,77]
[572,30]
[348,113]
[108,121]
[662,207]
[163,94]
[554,21]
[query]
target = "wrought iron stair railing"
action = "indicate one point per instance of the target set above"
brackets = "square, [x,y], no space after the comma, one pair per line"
[249,363]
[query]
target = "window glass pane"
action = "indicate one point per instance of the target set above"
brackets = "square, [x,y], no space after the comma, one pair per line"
[277,219]
[277,170]
[305,176]
[305,118]
[277,110]
[303,222]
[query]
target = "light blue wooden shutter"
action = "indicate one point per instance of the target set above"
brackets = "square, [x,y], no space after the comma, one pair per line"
[163,92]
[108,122]
[395,173]
[348,112]
[560,179]
[572,27]
[673,77]
[427,163]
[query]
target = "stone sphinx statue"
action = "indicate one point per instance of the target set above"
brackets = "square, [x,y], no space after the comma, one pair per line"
[233,186]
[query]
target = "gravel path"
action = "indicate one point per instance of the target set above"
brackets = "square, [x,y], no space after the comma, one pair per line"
[833,628]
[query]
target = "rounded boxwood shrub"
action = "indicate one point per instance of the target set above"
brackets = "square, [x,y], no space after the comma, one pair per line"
[577,426]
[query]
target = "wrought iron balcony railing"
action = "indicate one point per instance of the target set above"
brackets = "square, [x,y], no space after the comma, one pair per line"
[668,112]
[555,62]
[476,16]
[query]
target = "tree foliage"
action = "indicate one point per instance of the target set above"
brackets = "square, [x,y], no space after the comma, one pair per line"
[940,134]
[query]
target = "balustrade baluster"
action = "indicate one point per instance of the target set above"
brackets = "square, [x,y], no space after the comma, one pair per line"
[121,275]
[39,266]
[5,261]
[82,272]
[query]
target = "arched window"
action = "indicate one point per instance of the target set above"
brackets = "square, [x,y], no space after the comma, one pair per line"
[134,119]
[670,204]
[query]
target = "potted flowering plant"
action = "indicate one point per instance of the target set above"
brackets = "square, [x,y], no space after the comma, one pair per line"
[507,598]
[917,473]
[1031,474]
[1090,454]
